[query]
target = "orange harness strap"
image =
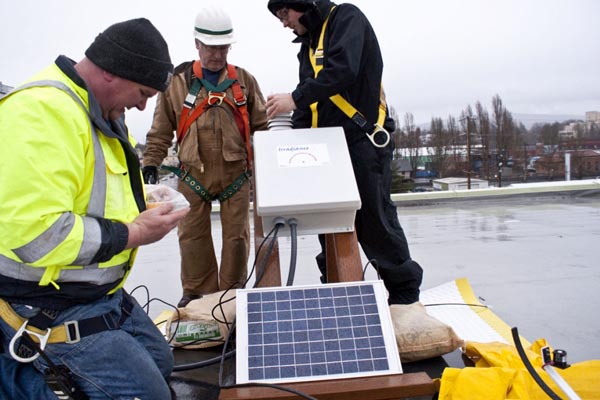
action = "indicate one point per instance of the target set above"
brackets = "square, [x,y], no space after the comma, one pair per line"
[238,106]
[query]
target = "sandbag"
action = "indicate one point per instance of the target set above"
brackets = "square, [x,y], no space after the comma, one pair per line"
[420,336]
[204,322]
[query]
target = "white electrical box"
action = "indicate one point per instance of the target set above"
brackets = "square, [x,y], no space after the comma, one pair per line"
[305,174]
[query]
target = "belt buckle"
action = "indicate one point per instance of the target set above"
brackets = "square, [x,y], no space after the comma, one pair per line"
[23,329]
[72,326]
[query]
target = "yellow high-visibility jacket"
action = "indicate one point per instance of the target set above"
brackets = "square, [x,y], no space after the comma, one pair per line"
[69,180]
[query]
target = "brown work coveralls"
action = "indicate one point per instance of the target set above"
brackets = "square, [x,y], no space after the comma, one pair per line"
[213,152]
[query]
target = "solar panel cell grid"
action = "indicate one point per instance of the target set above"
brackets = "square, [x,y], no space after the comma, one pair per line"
[311,332]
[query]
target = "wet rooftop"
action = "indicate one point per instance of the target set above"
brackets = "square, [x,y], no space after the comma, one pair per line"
[531,256]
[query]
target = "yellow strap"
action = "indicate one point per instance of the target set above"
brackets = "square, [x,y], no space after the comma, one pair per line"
[316,59]
[15,321]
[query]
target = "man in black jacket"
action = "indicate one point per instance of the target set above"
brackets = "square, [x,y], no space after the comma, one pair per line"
[340,55]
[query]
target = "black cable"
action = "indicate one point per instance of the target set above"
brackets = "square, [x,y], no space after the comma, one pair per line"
[221,302]
[282,388]
[188,366]
[147,304]
[261,271]
[257,252]
[254,266]
[532,371]
[169,340]
[223,354]
[294,251]
[373,262]
[203,363]
[220,306]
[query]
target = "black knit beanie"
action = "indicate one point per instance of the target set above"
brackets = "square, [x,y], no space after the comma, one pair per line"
[134,50]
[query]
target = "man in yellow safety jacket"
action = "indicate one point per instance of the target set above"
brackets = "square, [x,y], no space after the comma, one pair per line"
[72,213]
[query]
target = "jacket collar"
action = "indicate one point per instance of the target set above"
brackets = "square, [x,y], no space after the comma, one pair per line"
[114,129]
[313,20]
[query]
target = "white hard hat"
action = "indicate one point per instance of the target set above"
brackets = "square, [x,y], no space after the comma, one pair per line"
[213,27]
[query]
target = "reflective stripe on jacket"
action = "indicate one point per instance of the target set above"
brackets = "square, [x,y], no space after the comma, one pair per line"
[60,180]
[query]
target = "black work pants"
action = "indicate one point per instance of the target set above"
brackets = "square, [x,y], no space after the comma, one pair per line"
[377,227]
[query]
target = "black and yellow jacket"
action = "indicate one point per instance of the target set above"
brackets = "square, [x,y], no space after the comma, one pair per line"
[352,67]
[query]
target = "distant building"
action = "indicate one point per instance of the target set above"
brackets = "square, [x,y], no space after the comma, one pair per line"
[570,131]
[402,167]
[458,184]
[4,89]
[583,163]
[592,117]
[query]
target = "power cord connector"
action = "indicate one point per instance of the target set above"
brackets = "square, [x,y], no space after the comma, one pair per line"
[279,221]
[292,222]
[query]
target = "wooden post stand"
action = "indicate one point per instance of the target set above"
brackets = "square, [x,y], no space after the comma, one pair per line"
[343,257]
[387,387]
[343,265]
[271,274]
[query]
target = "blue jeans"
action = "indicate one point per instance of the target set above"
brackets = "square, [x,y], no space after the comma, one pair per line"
[134,361]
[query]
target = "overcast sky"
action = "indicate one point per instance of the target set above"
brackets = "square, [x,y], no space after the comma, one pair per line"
[540,56]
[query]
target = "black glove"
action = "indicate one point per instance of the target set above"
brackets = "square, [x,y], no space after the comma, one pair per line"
[150,174]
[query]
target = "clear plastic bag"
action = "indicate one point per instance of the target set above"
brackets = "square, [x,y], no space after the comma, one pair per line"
[163,194]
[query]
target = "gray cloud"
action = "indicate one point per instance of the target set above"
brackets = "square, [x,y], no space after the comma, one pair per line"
[540,56]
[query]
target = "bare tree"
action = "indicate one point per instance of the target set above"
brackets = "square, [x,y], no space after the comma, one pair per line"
[484,130]
[498,112]
[466,115]
[454,135]
[440,143]
[413,142]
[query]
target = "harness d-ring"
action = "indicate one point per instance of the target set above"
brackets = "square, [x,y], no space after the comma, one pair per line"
[379,131]
[43,340]
[215,98]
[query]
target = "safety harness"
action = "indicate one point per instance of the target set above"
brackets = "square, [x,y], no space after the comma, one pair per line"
[39,328]
[375,132]
[216,97]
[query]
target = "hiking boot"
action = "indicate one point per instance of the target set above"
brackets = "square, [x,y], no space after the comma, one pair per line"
[186,299]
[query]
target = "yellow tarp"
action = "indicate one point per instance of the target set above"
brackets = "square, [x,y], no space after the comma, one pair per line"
[500,374]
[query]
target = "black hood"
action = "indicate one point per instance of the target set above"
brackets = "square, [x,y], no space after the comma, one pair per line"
[276,5]
[313,18]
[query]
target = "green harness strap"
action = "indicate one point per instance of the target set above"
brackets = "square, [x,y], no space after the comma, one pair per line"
[201,191]
[219,88]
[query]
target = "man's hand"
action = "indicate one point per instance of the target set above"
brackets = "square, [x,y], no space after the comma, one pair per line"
[279,103]
[150,174]
[153,224]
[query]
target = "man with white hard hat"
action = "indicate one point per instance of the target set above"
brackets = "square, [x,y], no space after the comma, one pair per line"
[213,108]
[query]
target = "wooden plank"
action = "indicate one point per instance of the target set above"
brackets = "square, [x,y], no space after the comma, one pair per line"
[386,387]
[343,257]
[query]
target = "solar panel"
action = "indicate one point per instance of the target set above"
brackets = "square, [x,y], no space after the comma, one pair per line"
[317,332]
